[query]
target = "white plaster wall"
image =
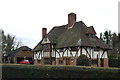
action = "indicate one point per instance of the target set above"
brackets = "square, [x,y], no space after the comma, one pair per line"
[105,55]
[73,53]
[79,52]
[91,52]
[67,52]
[36,55]
[88,49]
[53,53]
[100,53]
[57,55]
[69,55]
[95,54]
[46,54]
[61,54]
[83,51]
[48,41]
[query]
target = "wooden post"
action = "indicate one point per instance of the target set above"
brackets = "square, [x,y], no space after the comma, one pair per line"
[81,51]
[55,56]
[87,52]
[50,54]
[70,52]
[76,52]
[64,52]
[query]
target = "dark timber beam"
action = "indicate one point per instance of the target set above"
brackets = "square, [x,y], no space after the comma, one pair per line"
[70,52]
[103,54]
[87,52]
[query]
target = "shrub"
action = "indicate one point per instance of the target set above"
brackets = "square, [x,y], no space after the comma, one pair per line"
[114,60]
[83,60]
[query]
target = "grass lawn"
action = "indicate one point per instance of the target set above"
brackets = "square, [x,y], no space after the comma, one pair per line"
[48,71]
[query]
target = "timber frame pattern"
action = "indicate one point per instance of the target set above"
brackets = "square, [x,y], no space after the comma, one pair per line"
[64,44]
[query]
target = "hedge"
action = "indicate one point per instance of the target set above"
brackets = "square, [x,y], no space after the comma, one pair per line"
[31,71]
[83,60]
[114,62]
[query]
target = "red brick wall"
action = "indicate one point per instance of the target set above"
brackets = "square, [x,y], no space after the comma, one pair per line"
[99,64]
[44,32]
[106,62]
[73,61]
[71,19]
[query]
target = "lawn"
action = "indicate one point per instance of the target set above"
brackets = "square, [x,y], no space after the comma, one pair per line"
[46,71]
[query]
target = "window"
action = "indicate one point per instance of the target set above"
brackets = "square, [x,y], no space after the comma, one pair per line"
[94,61]
[96,49]
[73,48]
[60,61]
[46,60]
[61,50]
[46,47]
[53,58]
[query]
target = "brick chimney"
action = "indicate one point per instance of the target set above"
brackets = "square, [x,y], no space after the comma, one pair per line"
[71,19]
[44,32]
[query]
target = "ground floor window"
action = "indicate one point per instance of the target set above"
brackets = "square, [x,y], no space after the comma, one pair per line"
[60,61]
[94,61]
[46,60]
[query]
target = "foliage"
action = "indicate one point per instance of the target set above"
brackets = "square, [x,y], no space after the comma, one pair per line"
[114,63]
[113,40]
[32,71]
[83,60]
[114,60]
[9,43]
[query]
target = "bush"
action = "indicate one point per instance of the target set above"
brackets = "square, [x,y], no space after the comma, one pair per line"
[83,60]
[114,60]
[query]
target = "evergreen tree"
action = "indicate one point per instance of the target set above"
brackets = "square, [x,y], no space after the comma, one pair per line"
[101,36]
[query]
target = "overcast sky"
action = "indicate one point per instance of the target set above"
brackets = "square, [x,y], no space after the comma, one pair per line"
[26,18]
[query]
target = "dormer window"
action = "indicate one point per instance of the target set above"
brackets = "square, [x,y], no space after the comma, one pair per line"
[90,35]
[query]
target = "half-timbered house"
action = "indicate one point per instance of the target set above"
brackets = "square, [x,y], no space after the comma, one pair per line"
[64,44]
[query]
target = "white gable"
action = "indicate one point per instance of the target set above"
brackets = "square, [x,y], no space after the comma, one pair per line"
[45,40]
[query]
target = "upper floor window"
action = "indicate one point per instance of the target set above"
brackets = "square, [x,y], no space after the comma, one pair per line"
[61,50]
[46,47]
[96,49]
[73,48]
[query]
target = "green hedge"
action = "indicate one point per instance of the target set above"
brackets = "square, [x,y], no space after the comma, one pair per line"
[83,60]
[114,62]
[31,71]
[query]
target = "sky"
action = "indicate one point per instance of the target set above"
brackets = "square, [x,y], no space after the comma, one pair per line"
[26,18]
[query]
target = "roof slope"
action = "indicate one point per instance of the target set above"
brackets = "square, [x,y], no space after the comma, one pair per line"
[13,53]
[78,35]
[90,30]
[53,35]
